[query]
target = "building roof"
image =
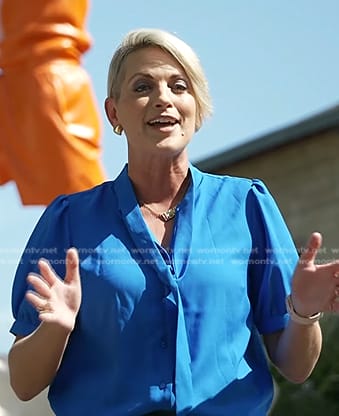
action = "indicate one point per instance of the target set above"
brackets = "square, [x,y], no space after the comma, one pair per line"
[325,120]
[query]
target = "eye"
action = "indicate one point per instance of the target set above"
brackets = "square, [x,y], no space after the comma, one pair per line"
[180,85]
[142,86]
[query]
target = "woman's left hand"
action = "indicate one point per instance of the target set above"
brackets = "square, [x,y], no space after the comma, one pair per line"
[315,287]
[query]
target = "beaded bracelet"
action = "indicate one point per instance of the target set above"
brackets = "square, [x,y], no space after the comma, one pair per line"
[299,319]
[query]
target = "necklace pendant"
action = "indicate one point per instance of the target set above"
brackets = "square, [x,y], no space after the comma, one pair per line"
[168,215]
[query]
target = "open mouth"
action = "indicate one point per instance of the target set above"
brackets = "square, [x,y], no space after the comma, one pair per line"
[163,122]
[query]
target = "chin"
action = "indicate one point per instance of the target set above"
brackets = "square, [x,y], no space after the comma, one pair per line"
[175,139]
[170,152]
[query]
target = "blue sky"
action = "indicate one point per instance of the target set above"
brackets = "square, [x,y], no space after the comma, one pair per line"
[269,64]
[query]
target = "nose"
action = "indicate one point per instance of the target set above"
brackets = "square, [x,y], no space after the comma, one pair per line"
[162,96]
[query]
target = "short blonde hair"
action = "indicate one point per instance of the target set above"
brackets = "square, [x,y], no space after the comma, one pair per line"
[178,49]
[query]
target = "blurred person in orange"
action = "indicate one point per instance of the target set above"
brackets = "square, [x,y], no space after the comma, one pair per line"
[49,123]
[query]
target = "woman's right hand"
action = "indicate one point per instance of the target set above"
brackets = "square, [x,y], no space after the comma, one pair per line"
[56,300]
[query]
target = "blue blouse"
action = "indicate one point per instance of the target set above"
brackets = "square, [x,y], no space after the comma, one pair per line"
[178,329]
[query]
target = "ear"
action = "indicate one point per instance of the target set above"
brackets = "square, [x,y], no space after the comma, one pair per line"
[111,111]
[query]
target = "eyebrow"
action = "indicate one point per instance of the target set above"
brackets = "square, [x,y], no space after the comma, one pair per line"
[137,74]
[149,76]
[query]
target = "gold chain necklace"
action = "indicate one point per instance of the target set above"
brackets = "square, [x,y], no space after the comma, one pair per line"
[165,216]
[169,214]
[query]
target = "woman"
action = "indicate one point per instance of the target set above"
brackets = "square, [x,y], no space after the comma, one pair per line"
[180,285]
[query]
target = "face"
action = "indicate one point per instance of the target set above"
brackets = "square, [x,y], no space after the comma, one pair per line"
[156,107]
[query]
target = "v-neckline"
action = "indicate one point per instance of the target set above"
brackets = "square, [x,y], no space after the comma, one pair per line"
[143,237]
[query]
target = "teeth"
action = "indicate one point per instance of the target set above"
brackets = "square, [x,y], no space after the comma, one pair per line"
[164,120]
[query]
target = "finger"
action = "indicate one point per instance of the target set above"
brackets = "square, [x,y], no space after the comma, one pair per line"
[35,300]
[39,285]
[42,306]
[47,271]
[72,266]
[310,253]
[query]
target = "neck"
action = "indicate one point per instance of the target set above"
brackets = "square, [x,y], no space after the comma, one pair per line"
[159,184]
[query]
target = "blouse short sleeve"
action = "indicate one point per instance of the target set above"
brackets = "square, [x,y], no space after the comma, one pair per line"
[50,240]
[272,262]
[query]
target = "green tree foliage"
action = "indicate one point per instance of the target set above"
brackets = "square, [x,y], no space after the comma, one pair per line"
[319,395]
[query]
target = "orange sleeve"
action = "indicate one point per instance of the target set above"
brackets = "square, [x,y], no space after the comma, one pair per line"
[49,123]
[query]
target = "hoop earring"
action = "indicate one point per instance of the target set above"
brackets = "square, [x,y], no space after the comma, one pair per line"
[118,129]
